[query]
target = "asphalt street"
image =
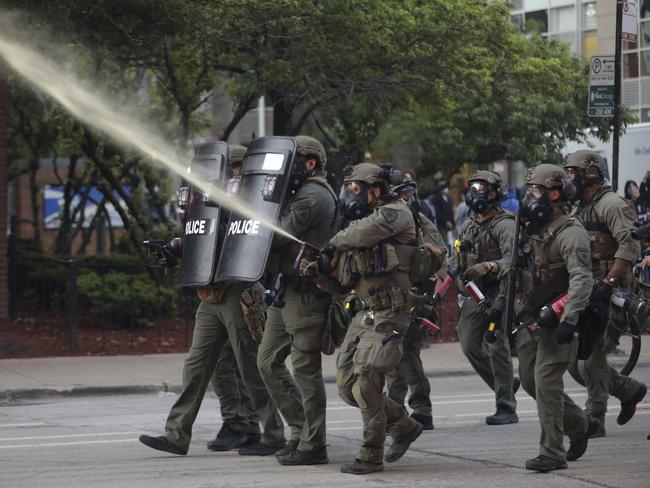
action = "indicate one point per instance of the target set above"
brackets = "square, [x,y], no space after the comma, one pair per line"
[92,441]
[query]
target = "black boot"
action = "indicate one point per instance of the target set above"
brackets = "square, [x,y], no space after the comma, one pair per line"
[359,466]
[544,464]
[227,439]
[628,408]
[288,448]
[259,449]
[303,458]
[162,444]
[578,447]
[425,420]
[502,417]
[596,427]
[397,449]
[251,438]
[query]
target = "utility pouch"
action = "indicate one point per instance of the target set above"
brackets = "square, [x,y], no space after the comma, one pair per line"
[212,293]
[425,263]
[251,301]
[336,327]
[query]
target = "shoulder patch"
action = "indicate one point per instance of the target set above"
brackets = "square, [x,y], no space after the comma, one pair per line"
[301,215]
[389,214]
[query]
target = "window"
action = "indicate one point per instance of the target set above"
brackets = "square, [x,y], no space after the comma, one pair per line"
[589,44]
[645,115]
[630,65]
[562,19]
[537,20]
[589,17]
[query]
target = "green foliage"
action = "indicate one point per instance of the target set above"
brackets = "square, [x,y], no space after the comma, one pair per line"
[123,299]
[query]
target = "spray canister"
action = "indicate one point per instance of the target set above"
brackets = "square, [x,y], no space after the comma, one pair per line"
[549,315]
[442,290]
[475,292]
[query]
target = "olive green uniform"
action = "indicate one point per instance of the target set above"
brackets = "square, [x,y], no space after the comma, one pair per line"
[297,327]
[609,219]
[491,240]
[215,324]
[410,373]
[234,401]
[557,244]
[372,345]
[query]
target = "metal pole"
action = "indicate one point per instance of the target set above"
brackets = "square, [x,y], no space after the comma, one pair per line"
[617,92]
[261,117]
[72,306]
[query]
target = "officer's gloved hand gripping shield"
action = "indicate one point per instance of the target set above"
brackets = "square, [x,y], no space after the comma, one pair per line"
[266,184]
[201,230]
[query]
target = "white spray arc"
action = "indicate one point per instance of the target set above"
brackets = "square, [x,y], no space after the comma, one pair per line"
[96,112]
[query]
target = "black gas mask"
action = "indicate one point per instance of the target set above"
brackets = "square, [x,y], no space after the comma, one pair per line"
[354,200]
[536,210]
[477,197]
[299,174]
[576,176]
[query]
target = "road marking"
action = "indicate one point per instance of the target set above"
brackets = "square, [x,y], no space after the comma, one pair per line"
[67,436]
[57,444]
[26,424]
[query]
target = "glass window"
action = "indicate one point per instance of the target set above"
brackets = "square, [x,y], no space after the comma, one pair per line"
[644,9]
[644,33]
[562,19]
[629,45]
[645,62]
[537,21]
[567,37]
[589,17]
[518,20]
[645,115]
[589,44]
[631,65]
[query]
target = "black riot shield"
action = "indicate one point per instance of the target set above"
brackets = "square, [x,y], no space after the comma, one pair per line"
[201,229]
[265,174]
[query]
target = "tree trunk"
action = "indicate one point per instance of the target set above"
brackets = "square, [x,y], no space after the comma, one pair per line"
[4,292]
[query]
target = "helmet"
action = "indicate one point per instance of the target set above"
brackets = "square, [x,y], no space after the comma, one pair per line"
[550,176]
[235,153]
[477,197]
[308,146]
[589,161]
[407,183]
[367,172]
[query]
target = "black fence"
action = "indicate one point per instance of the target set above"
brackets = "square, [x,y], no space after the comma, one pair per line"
[98,304]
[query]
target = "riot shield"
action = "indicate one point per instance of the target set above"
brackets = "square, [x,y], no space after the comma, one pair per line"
[265,173]
[201,229]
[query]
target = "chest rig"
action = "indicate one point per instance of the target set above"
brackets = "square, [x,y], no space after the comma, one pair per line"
[542,255]
[479,244]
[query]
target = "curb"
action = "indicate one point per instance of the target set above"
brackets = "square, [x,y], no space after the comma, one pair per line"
[10,395]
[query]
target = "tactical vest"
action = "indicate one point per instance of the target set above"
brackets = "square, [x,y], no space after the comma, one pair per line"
[602,243]
[484,246]
[544,259]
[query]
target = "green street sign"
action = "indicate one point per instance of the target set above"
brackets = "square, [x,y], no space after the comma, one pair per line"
[601,86]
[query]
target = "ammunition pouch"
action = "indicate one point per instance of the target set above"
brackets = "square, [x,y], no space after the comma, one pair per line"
[386,297]
[212,293]
[425,262]
[251,301]
[336,327]
[356,263]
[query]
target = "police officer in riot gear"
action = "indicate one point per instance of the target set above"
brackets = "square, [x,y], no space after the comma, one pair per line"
[484,257]
[219,317]
[409,374]
[609,220]
[373,255]
[557,256]
[296,319]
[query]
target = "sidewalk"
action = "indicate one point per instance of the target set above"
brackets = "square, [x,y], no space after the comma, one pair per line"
[90,375]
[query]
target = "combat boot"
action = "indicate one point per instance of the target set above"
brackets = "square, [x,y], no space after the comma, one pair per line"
[516,383]
[359,466]
[259,449]
[227,439]
[502,417]
[397,449]
[425,420]
[161,443]
[251,438]
[544,464]
[628,408]
[302,458]
[288,448]
[596,427]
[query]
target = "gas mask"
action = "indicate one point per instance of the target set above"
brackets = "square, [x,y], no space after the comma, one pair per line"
[354,200]
[477,197]
[536,210]
[299,174]
[577,178]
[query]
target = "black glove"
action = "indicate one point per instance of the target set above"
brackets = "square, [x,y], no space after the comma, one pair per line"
[493,317]
[564,333]
[325,259]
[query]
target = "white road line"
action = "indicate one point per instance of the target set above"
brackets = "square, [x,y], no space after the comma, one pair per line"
[26,424]
[66,436]
[56,444]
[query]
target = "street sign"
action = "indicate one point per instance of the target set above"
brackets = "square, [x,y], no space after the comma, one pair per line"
[628,32]
[601,86]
